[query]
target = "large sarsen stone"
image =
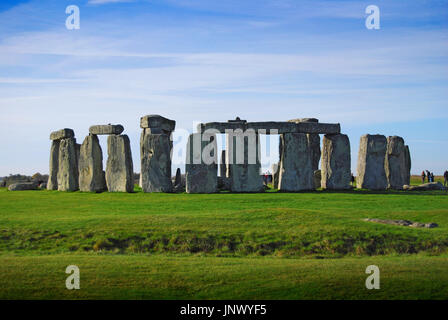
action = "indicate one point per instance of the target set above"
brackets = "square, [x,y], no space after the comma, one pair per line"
[372,153]
[336,174]
[119,168]
[68,165]
[91,175]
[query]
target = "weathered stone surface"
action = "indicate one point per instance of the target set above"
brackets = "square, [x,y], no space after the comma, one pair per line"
[272,127]
[91,176]
[372,154]
[313,142]
[243,162]
[68,165]
[425,187]
[408,162]
[119,167]
[395,163]
[223,165]
[62,134]
[314,146]
[106,129]
[336,174]
[20,186]
[201,169]
[157,124]
[296,172]
[155,155]
[317,179]
[405,223]
[275,174]
[54,166]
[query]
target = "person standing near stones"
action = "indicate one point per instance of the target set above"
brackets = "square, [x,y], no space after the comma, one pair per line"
[423,176]
[445,176]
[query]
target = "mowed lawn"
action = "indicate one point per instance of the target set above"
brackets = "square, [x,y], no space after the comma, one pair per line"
[240,246]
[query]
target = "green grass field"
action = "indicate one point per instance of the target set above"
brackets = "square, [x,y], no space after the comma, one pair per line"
[274,245]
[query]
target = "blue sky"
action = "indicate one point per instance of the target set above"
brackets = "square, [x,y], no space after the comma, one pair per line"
[207,60]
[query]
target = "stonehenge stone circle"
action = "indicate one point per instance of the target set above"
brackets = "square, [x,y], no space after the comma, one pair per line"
[296,172]
[336,174]
[91,174]
[396,163]
[52,183]
[106,129]
[243,161]
[201,169]
[382,163]
[119,168]
[67,165]
[371,173]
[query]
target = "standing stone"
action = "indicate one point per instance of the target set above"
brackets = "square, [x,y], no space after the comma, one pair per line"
[314,147]
[275,174]
[156,147]
[372,153]
[119,168]
[223,165]
[336,173]
[91,176]
[395,163]
[155,152]
[317,179]
[54,165]
[313,142]
[296,172]
[178,178]
[78,151]
[201,169]
[408,165]
[68,165]
[243,161]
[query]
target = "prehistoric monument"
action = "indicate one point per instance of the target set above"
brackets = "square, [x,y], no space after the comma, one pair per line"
[382,163]
[80,167]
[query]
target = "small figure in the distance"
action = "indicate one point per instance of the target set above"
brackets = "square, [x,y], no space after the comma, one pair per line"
[445,176]
[423,176]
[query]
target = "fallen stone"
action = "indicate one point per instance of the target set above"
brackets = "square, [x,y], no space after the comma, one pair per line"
[395,164]
[68,165]
[106,129]
[296,172]
[405,223]
[21,186]
[336,173]
[62,134]
[425,187]
[119,168]
[201,167]
[157,124]
[155,156]
[91,176]
[371,156]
